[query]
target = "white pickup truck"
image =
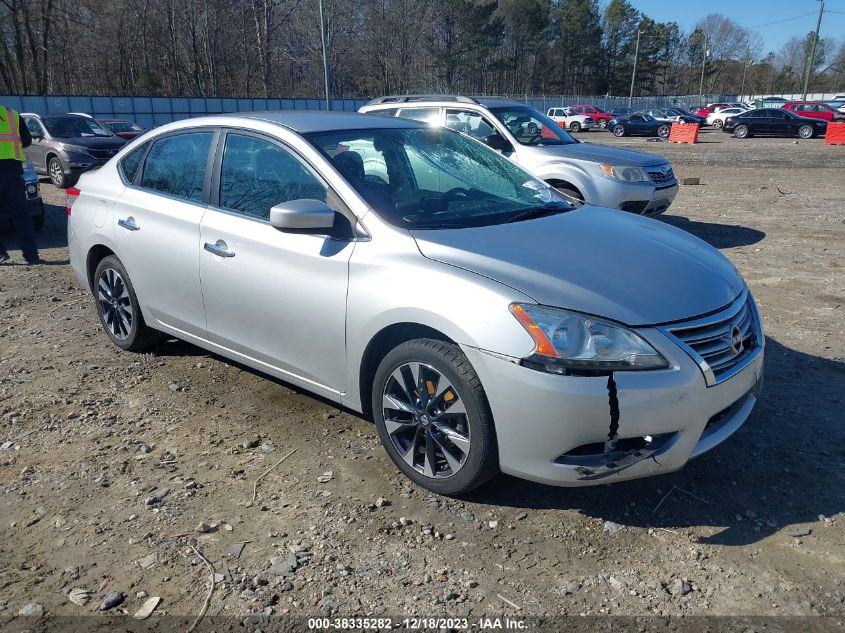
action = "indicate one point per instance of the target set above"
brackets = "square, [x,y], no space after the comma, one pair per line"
[568,120]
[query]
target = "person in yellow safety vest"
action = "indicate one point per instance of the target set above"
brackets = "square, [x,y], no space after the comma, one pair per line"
[14,137]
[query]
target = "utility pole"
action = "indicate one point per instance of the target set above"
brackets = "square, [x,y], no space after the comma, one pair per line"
[808,70]
[703,62]
[325,58]
[745,64]
[634,72]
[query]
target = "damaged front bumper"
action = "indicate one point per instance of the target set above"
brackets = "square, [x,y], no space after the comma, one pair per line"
[563,430]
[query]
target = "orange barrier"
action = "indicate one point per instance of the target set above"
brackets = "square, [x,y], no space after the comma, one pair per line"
[684,133]
[835,134]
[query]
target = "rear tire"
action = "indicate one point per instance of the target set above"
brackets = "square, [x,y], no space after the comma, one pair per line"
[416,386]
[718,123]
[602,124]
[118,308]
[663,131]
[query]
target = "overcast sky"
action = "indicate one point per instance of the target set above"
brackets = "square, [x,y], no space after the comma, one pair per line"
[757,14]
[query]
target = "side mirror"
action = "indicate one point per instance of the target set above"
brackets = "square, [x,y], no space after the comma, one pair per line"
[498,142]
[305,214]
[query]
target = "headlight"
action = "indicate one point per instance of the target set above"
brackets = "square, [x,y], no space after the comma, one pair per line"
[569,342]
[628,174]
[79,149]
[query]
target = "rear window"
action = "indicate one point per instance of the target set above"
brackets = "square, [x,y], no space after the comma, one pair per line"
[176,165]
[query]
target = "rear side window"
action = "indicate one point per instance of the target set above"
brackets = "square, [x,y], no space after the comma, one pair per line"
[426,115]
[257,175]
[388,112]
[129,164]
[176,165]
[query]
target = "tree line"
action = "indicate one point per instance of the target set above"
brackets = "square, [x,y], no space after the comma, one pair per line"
[273,49]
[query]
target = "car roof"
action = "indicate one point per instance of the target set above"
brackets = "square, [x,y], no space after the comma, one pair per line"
[305,121]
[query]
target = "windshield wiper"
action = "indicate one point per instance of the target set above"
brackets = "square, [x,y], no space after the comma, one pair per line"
[538,212]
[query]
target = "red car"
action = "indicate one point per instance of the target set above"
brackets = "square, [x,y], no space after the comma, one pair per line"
[601,117]
[714,107]
[811,109]
[126,130]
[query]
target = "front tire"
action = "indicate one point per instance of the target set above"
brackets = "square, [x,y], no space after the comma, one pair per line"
[618,131]
[118,309]
[433,417]
[575,126]
[741,131]
[806,131]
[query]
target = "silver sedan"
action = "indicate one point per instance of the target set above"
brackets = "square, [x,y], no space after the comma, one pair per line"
[414,275]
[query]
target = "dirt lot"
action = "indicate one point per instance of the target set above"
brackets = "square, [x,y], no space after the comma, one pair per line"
[757,527]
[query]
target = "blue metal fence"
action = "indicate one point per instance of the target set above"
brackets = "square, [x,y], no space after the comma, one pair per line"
[152,111]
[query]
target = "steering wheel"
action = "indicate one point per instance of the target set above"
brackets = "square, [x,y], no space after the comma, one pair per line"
[531,139]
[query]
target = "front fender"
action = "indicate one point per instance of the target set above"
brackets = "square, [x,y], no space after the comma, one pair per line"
[573,174]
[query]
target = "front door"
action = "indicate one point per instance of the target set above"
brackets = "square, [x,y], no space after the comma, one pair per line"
[275,297]
[157,230]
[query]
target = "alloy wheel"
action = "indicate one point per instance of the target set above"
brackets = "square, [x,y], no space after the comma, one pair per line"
[426,420]
[718,123]
[663,131]
[602,123]
[805,131]
[115,304]
[56,174]
[741,131]
[618,130]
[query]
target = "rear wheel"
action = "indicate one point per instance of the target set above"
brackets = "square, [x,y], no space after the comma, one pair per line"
[718,123]
[741,131]
[602,124]
[806,131]
[118,309]
[575,126]
[663,131]
[618,130]
[433,418]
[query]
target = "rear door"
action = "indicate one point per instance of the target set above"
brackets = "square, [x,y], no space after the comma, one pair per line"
[275,297]
[37,151]
[157,228]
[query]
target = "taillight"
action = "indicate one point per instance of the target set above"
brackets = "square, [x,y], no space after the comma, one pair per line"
[72,195]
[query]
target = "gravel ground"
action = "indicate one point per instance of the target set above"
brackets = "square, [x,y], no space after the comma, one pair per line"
[98,436]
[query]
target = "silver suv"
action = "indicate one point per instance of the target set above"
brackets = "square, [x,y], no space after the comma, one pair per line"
[605,176]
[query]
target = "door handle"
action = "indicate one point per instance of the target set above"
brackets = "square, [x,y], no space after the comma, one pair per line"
[128,224]
[219,248]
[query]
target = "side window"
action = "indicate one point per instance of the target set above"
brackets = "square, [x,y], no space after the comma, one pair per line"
[388,112]
[176,165]
[426,115]
[469,123]
[34,127]
[129,164]
[636,117]
[257,175]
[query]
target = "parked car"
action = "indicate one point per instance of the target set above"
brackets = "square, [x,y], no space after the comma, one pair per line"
[607,176]
[66,145]
[617,112]
[773,122]
[661,114]
[316,225]
[570,120]
[681,112]
[123,128]
[34,203]
[717,119]
[601,117]
[639,124]
[811,109]
[716,107]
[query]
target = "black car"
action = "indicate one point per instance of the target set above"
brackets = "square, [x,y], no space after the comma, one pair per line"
[618,112]
[773,122]
[687,116]
[66,145]
[638,124]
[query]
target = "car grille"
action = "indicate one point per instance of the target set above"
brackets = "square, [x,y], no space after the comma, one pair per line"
[102,154]
[661,175]
[721,343]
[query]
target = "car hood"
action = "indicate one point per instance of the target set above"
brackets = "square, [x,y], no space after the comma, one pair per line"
[603,154]
[93,142]
[608,263]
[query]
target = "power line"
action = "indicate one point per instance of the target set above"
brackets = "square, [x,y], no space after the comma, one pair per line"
[797,17]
